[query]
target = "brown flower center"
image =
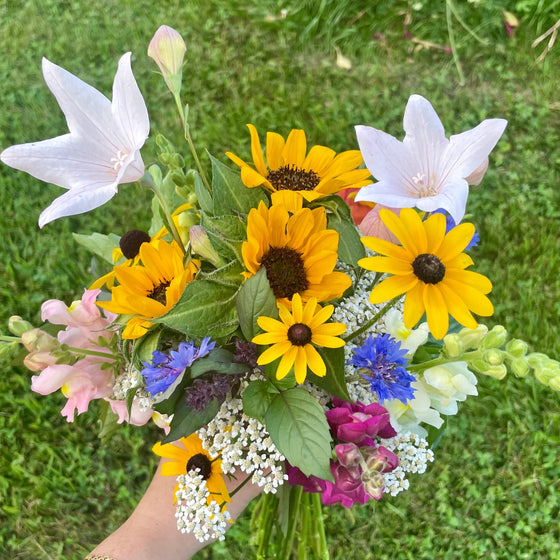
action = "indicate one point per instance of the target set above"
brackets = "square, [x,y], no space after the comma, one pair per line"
[159,291]
[202,463]
[130,242]
[299,334]
[292,178]
[285,271]
[428,268]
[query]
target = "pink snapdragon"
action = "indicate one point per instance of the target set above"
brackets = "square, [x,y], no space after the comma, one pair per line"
[87,330]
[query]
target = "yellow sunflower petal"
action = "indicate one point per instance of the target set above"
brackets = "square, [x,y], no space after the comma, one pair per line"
[286,362]
[407,228]
[436,311]
[457,307]
[474,279]
[270,338]
[461,261]
[252,178]
[318,159]
[297,308]
[274,352]
[271,325]
[274,148]
[329,329]
[300,364]
[295,148]
[323,314]
[476,301]
[328,341]
[343,162]
[314,361]
[309,311]
[256,151]
[173,468]
[413,305]
[392,287]
[170,451]
[285,316]
[435,232]
[390,265]
[383,247]
[456,241]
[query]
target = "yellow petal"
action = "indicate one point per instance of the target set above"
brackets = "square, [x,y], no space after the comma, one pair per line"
[383,247]
[295,148]
[392,287]
[456,241]
[436,311]
[413,306]
[435,232]
[457,307]
[474,279]
[318,159]
[256,151]
[286,363]
[274,148]
[407,228]
[328,341]
[274,352]
[300,364]
[314,361]
[297,308]
[476,301]
[170,451]
[322,315]
[390,265]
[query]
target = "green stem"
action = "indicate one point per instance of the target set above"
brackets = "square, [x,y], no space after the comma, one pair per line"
[466,357]
[88,352]
[268,506]
[295,502]
[232,494]
[168,217]
[320,538]
[187,133]
[10,339]
[304,529]
[373,320]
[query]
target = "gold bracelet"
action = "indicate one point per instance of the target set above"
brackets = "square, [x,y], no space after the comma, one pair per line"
[99,557]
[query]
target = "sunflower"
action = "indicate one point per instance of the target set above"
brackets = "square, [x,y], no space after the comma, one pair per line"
[430,268]
[192,456]
[289,167]
[151,287]
[294,337]
[297,251]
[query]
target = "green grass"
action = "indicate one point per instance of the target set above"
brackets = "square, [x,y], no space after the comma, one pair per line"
[493,491]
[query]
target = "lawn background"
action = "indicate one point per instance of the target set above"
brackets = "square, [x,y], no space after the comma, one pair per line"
[493,491]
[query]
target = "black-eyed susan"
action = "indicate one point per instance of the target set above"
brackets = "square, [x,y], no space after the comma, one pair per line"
[151,287]
[288,166]
[297,251]
[429,267]
[295,336]
[190,457]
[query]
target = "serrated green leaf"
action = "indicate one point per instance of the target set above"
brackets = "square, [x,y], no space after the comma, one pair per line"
[219,361]
[186,420]
[298,427]
[334,381]
[99,244]
[229,192]
[206,308]
[255,299]
[256,398]
[229,275]
[231,228]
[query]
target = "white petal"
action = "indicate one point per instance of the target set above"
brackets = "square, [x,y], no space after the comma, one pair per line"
[453,198]
[422,126]
[388,193]
[78,201]
[63,161]
[128,107]
[468,150]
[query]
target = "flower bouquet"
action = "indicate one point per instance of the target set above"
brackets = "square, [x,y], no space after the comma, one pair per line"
[301,321]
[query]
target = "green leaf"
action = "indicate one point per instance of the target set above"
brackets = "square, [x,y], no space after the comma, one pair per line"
[350,247]
[206,308]
[99,244]
[229,275]
[229,193]
[298,427]
[169,405]
[257,397]
[204,197]
[187,420]
[255,299]
[144,347]
[218,361]
[108,420]
[334,382]
[230,227]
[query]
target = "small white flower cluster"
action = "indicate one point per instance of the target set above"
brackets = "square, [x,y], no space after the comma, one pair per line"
[131,379]
[195,514]
[414,455]
[244,444]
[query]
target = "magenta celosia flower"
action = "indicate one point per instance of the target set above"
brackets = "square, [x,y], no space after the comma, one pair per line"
[356,423]
[88,378]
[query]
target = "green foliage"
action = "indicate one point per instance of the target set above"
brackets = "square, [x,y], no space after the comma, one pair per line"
[493,490]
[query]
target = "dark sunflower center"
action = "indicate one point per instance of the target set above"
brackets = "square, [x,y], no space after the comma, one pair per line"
[285,271]
[292,178]
[299,334]
[201,462]
[158,293]
[130,242]
[428,268]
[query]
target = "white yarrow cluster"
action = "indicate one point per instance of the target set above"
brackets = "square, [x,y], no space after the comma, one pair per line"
[131,379]
[195,514]
[244,444]
[414,455]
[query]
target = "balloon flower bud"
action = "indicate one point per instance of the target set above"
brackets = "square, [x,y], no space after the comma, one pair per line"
[201,246]
[168,49]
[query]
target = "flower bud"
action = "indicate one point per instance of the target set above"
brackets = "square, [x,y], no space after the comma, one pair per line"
[494,356]
[517,348]
[168,49]
[453,345]
[36,340]
[201,246]
[554,383]
[472,337]
[498,372]
[18,326]
[495,338]
[519,366]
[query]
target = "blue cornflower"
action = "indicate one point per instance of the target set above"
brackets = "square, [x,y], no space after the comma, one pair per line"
[163,370]
[384,361]
[450,224]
